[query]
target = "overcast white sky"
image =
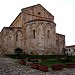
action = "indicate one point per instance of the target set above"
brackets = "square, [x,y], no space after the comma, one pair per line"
[63,11]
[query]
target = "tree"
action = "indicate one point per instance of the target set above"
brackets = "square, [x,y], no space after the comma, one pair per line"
[18,51]
[64,51]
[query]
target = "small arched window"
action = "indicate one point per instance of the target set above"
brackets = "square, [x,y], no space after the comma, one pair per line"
[48,34]
[33,33]
[38,13]
[18,35]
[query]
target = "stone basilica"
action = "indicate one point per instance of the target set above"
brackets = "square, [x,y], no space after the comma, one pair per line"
[34,31]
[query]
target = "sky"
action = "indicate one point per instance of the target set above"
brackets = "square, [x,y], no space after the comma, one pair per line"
[63,11]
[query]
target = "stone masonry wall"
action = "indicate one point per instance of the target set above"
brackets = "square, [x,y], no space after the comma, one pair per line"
[34,31]
[60,42]
[11,39]
[36,12]
[41,44]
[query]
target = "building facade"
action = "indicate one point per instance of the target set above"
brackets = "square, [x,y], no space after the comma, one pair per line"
[34,31]
[70,50]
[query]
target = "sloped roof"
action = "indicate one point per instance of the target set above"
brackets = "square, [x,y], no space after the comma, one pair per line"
[34,7]
[70,46]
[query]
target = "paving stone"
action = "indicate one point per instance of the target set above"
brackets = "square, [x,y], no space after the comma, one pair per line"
[17,69]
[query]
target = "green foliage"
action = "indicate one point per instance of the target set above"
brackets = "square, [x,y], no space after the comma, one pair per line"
[17,56]
[51,59]
[22,56]
[49,63]
[66,59]
[64,51]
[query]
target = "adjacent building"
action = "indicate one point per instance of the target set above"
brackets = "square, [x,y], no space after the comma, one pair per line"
[70,50]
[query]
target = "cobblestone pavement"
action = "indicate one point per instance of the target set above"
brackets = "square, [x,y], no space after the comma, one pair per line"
[17,69]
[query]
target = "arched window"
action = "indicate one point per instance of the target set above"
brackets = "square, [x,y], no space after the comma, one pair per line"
[19,39]
[48,34]
[18,35]
[33,33]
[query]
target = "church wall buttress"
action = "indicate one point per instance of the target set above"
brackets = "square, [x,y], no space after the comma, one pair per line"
[60,42]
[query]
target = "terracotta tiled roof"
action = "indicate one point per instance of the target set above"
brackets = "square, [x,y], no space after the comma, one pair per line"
[70,46]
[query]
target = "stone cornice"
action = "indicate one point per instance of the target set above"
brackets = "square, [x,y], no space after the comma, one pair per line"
[40,20]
